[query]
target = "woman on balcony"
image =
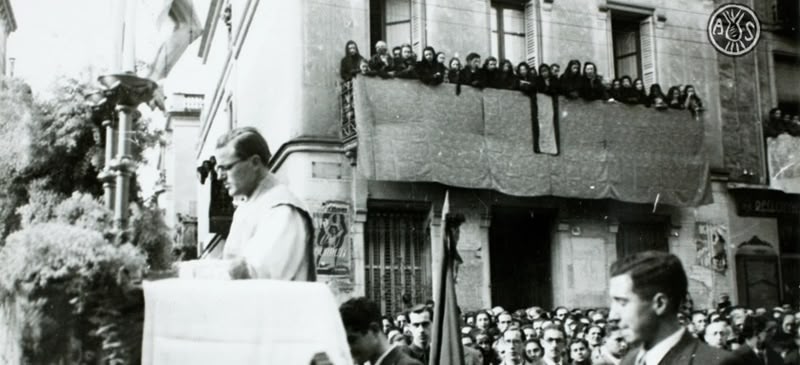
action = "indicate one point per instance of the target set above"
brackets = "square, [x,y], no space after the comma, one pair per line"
[454,70]
[591,84]
[491,73]
[526,79]
[405,68]
[614,92]
[546,83]
[640,92]
[472,74]
[430,71]
[657,98]
[628,93]
[350,65]
[507,79]
[674,98]
[571,81]
[690,100]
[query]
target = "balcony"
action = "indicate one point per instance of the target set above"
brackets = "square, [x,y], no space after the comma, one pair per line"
[407,131]
[185,103]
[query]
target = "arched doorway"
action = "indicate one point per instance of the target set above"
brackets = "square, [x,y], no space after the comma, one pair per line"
[757,274]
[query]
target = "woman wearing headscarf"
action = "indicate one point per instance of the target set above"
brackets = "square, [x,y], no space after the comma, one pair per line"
[640,92]
[454,70]
[545,82]
[571,81]
[673,99]
[656,97]
[592,85]
[627,93]
[429,71]
[507,78]
[441,59]
[350,65]
[614,92]
[405,68]
[526,79]
[690,100]
[774,124]
[491,73]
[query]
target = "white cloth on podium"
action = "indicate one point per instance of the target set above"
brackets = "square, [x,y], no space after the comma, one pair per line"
[241,322]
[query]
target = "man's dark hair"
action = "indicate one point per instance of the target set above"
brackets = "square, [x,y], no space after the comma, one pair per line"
[611,328]
[578,340]
[472,56]
[602,330]
[421,308]
[247,141]
[360,315]
[753,325]
[655,272]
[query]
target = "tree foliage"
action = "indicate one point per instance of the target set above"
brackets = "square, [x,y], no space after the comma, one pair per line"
[58,146]
[75,288]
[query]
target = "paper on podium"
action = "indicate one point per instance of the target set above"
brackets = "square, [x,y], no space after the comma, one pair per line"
[241,322]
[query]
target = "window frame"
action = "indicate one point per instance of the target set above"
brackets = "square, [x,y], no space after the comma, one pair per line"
[631,23]
[378,13]
[500,34]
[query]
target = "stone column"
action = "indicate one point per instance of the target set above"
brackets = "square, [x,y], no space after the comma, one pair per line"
[107,175]
[123,164]
[486,288]
[126,91]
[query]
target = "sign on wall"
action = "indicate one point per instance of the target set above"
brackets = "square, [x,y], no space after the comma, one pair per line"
[710,245]
[332,239]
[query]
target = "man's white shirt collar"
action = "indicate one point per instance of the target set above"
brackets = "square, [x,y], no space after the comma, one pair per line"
[657,352]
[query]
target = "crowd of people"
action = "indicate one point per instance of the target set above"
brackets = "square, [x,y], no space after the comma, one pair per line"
[589,336]
[780,122]
[577,81]
[651,320]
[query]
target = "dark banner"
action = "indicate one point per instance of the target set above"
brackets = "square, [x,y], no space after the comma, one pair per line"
[484,139]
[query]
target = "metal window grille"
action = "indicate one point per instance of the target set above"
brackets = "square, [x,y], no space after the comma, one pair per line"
[348,112]
[397,266]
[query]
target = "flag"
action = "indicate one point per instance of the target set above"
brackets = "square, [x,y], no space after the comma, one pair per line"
[446,343]
[180,26]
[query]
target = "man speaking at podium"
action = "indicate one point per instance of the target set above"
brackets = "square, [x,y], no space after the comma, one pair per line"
[271,235]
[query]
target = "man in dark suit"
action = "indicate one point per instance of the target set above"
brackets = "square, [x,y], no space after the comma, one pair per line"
[419,322]
[756,335]
[362,322]
[646,292]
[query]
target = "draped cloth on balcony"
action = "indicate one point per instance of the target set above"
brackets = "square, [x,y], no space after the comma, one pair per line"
[411,132]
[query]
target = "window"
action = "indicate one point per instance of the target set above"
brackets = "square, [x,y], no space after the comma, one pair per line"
[633,46]
[787,79]
[627,52]
[507,22]
[633,237]
[390,21]
[396,258]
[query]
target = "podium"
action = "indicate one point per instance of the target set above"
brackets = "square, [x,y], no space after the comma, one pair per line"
[241,322]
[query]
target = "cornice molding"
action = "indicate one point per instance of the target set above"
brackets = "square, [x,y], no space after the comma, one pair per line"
[305,144]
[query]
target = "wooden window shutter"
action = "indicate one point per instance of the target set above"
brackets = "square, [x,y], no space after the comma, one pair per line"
[648,49]
[418,26]
[531,34]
